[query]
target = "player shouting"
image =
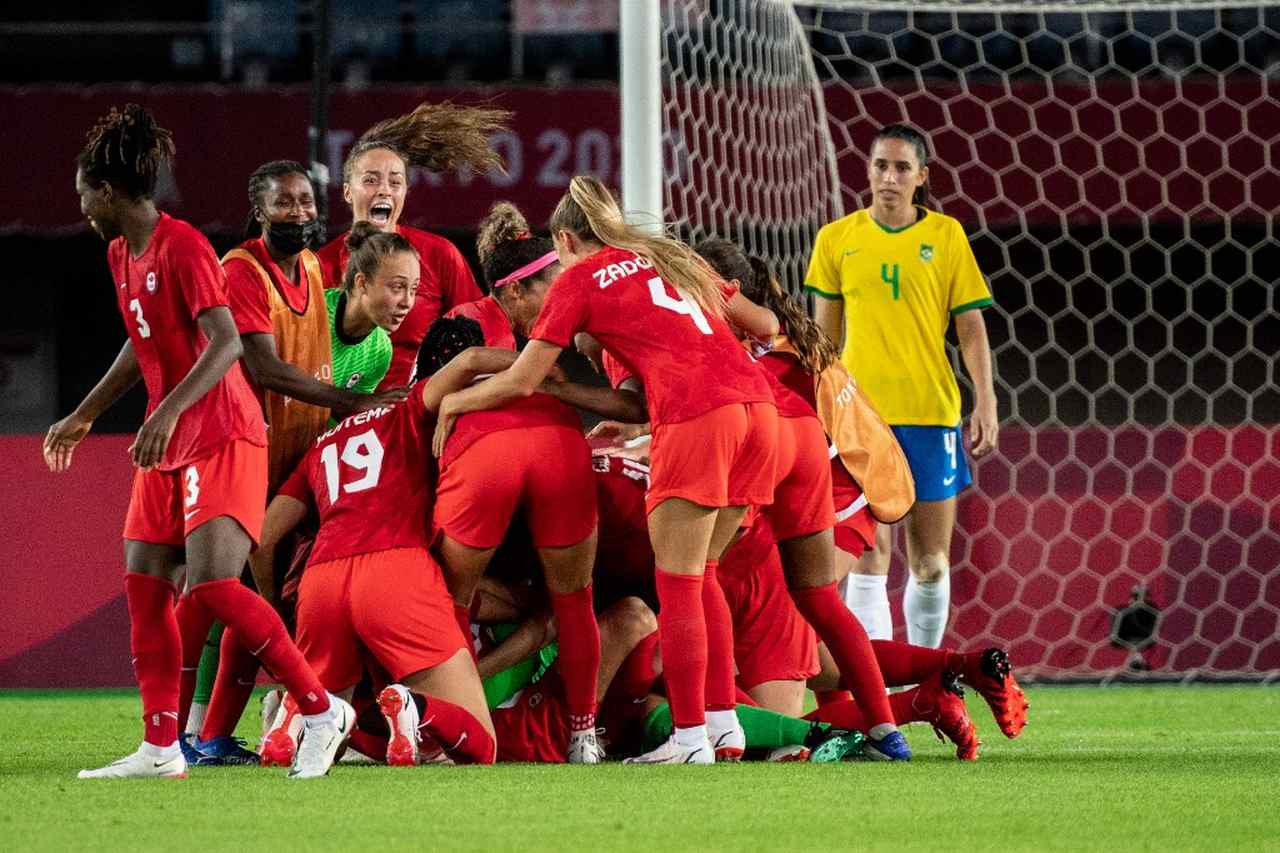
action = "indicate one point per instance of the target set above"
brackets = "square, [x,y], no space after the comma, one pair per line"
[375,183]
[200,488]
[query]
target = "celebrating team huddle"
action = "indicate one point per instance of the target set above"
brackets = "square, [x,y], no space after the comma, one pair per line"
[362,474]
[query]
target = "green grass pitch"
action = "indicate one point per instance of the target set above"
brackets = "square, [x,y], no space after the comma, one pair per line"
[1122,768]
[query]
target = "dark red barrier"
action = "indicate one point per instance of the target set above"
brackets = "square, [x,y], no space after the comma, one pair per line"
[1063,524]
[1121,150]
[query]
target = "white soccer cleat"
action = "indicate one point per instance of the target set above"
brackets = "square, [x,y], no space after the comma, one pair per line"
[786,754]
[674,753]
[280,741]
[143,764]
[321,741]
[401,713]
[584,748]
[728,745]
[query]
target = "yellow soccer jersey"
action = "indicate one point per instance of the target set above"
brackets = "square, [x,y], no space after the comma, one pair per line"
[900,289]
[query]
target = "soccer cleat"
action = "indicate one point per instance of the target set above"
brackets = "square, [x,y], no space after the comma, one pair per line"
[941,702]
[891,747]
[224,750]
[584,748]
[991,675]
[788,754]
[827,744]
[671,752]
[141,765]
[280,743]
[320,742]
[728,745]
[401,713]
[190,752]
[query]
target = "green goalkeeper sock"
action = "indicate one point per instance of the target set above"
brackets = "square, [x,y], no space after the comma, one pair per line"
[208,670]
[764,729]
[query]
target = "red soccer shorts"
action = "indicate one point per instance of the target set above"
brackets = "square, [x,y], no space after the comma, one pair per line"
[544,471]
[771,641]
[393,603]
[165,506]
[536,726]
[725,457]
[855,525]
[802,497]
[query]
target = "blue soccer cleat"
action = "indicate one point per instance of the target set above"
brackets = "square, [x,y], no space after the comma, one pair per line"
[224,750]
[187,743]
[891,747]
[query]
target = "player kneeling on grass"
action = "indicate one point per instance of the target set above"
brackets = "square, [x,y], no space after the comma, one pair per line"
[371,584]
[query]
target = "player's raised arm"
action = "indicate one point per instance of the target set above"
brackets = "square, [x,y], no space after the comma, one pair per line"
[534,364]
[61,440]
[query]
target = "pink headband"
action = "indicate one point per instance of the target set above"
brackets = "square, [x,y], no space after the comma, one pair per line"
[528,269]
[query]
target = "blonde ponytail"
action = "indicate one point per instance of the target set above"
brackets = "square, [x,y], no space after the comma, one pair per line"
[589,211]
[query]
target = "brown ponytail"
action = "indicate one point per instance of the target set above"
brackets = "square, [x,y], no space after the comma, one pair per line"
[815,349]
[589,211]
[505,244]
[437,137]
[368,246]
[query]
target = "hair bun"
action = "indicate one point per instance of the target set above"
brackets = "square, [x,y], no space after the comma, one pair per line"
[360,233]
[503,222]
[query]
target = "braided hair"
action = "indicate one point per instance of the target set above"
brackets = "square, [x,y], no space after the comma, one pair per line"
[126,149]
[260,181]
[447,337]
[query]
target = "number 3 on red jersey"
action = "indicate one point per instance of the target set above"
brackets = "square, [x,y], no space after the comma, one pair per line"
[362,452]
[678,304]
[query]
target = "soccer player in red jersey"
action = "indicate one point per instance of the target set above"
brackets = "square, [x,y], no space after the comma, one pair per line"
[658,309]
[802,515]
[519,269]
[371,583]
[200,488]
[527,458]
[375,183]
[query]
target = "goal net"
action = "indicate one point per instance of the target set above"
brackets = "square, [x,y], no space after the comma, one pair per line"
[1115,167]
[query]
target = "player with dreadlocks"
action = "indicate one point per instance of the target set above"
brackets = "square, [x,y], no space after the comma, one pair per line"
[375,183]
[199,493]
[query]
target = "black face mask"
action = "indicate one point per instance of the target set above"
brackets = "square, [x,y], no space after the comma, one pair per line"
[290,238]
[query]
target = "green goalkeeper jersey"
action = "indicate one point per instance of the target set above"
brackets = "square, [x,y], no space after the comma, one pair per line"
[358,365]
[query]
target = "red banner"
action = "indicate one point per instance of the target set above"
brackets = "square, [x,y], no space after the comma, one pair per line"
[223,134]
[1163,149]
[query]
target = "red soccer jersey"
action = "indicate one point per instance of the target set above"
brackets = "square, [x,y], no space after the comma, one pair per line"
[492,319]
[792,385]
[688,362]
[537,409]
[161,293]
[249,302]
[446,281]
[372,479]
[624,555]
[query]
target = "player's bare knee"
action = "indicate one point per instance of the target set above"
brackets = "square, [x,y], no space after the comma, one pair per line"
[930,568]
[631,618]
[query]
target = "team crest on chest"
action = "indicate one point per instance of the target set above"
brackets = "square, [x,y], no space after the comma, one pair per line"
[151,282]
[926,252]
